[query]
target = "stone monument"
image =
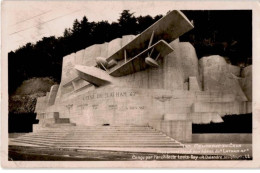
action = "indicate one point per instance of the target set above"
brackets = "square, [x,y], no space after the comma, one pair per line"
[151,79]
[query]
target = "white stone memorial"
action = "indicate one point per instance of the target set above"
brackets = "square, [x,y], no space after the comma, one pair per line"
[130,92]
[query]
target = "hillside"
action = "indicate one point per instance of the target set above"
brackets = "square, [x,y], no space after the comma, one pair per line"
[24,98]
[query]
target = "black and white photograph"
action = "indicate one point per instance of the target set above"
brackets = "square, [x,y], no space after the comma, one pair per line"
[129,84]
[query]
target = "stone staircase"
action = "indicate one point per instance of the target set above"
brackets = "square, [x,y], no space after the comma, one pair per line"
[97,136]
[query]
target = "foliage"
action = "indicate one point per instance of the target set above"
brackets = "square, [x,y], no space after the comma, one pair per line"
[25,96]
[226,33]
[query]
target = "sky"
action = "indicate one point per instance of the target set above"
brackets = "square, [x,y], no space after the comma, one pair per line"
[29,21]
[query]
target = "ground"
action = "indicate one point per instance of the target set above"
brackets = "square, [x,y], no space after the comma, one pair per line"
[190,152]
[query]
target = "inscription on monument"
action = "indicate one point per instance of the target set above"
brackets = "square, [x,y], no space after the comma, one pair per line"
[163,98]
[112,107]
[82,107]
[95,106]
[109,95]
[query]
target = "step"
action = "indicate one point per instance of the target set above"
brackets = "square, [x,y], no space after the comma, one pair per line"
[108,130]
[98,132]
[48,115]
[51,126]
[112,126]
[133,139]
[54,121]
[47,129]
[136,129]
[101,143]
[101,139]
[95,141]
[82,146]
[98,136]
[59,124]
[115,127]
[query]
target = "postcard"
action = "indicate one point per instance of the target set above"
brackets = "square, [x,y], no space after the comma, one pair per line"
[130,84]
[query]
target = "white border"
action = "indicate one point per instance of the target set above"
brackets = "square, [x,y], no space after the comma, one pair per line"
[185,5]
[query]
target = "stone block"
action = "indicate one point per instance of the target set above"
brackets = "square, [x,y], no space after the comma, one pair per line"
[62,120]
[79,57]
[113,46]
[90,55]
[247,84]
[179,130]
[80,83]
[126,39]
[189,60]
[104,50]
[222,108]
[214,96]
[52,95]
[175,116]
[41,105]
[193,84]
[234,69]
[68,71]
[47,115]
[54,115]
[47,121]
[217,75]
[37,127]
[206,118]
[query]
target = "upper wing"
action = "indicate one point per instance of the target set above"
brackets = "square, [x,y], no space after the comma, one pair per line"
[168,28]
[137,63]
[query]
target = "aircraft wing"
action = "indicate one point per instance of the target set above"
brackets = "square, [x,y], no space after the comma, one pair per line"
[137,63]
[168,28]
[93,75]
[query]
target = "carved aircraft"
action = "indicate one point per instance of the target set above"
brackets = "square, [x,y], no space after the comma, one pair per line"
[140,53]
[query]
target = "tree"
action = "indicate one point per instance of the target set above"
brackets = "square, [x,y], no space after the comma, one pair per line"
[67,33]
[76,27]
[157,17]
[127,22]
[86,32]
[144,22]
[101,32]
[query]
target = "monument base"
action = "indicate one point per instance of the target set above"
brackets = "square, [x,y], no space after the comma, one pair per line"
[52,120]
[181,130]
